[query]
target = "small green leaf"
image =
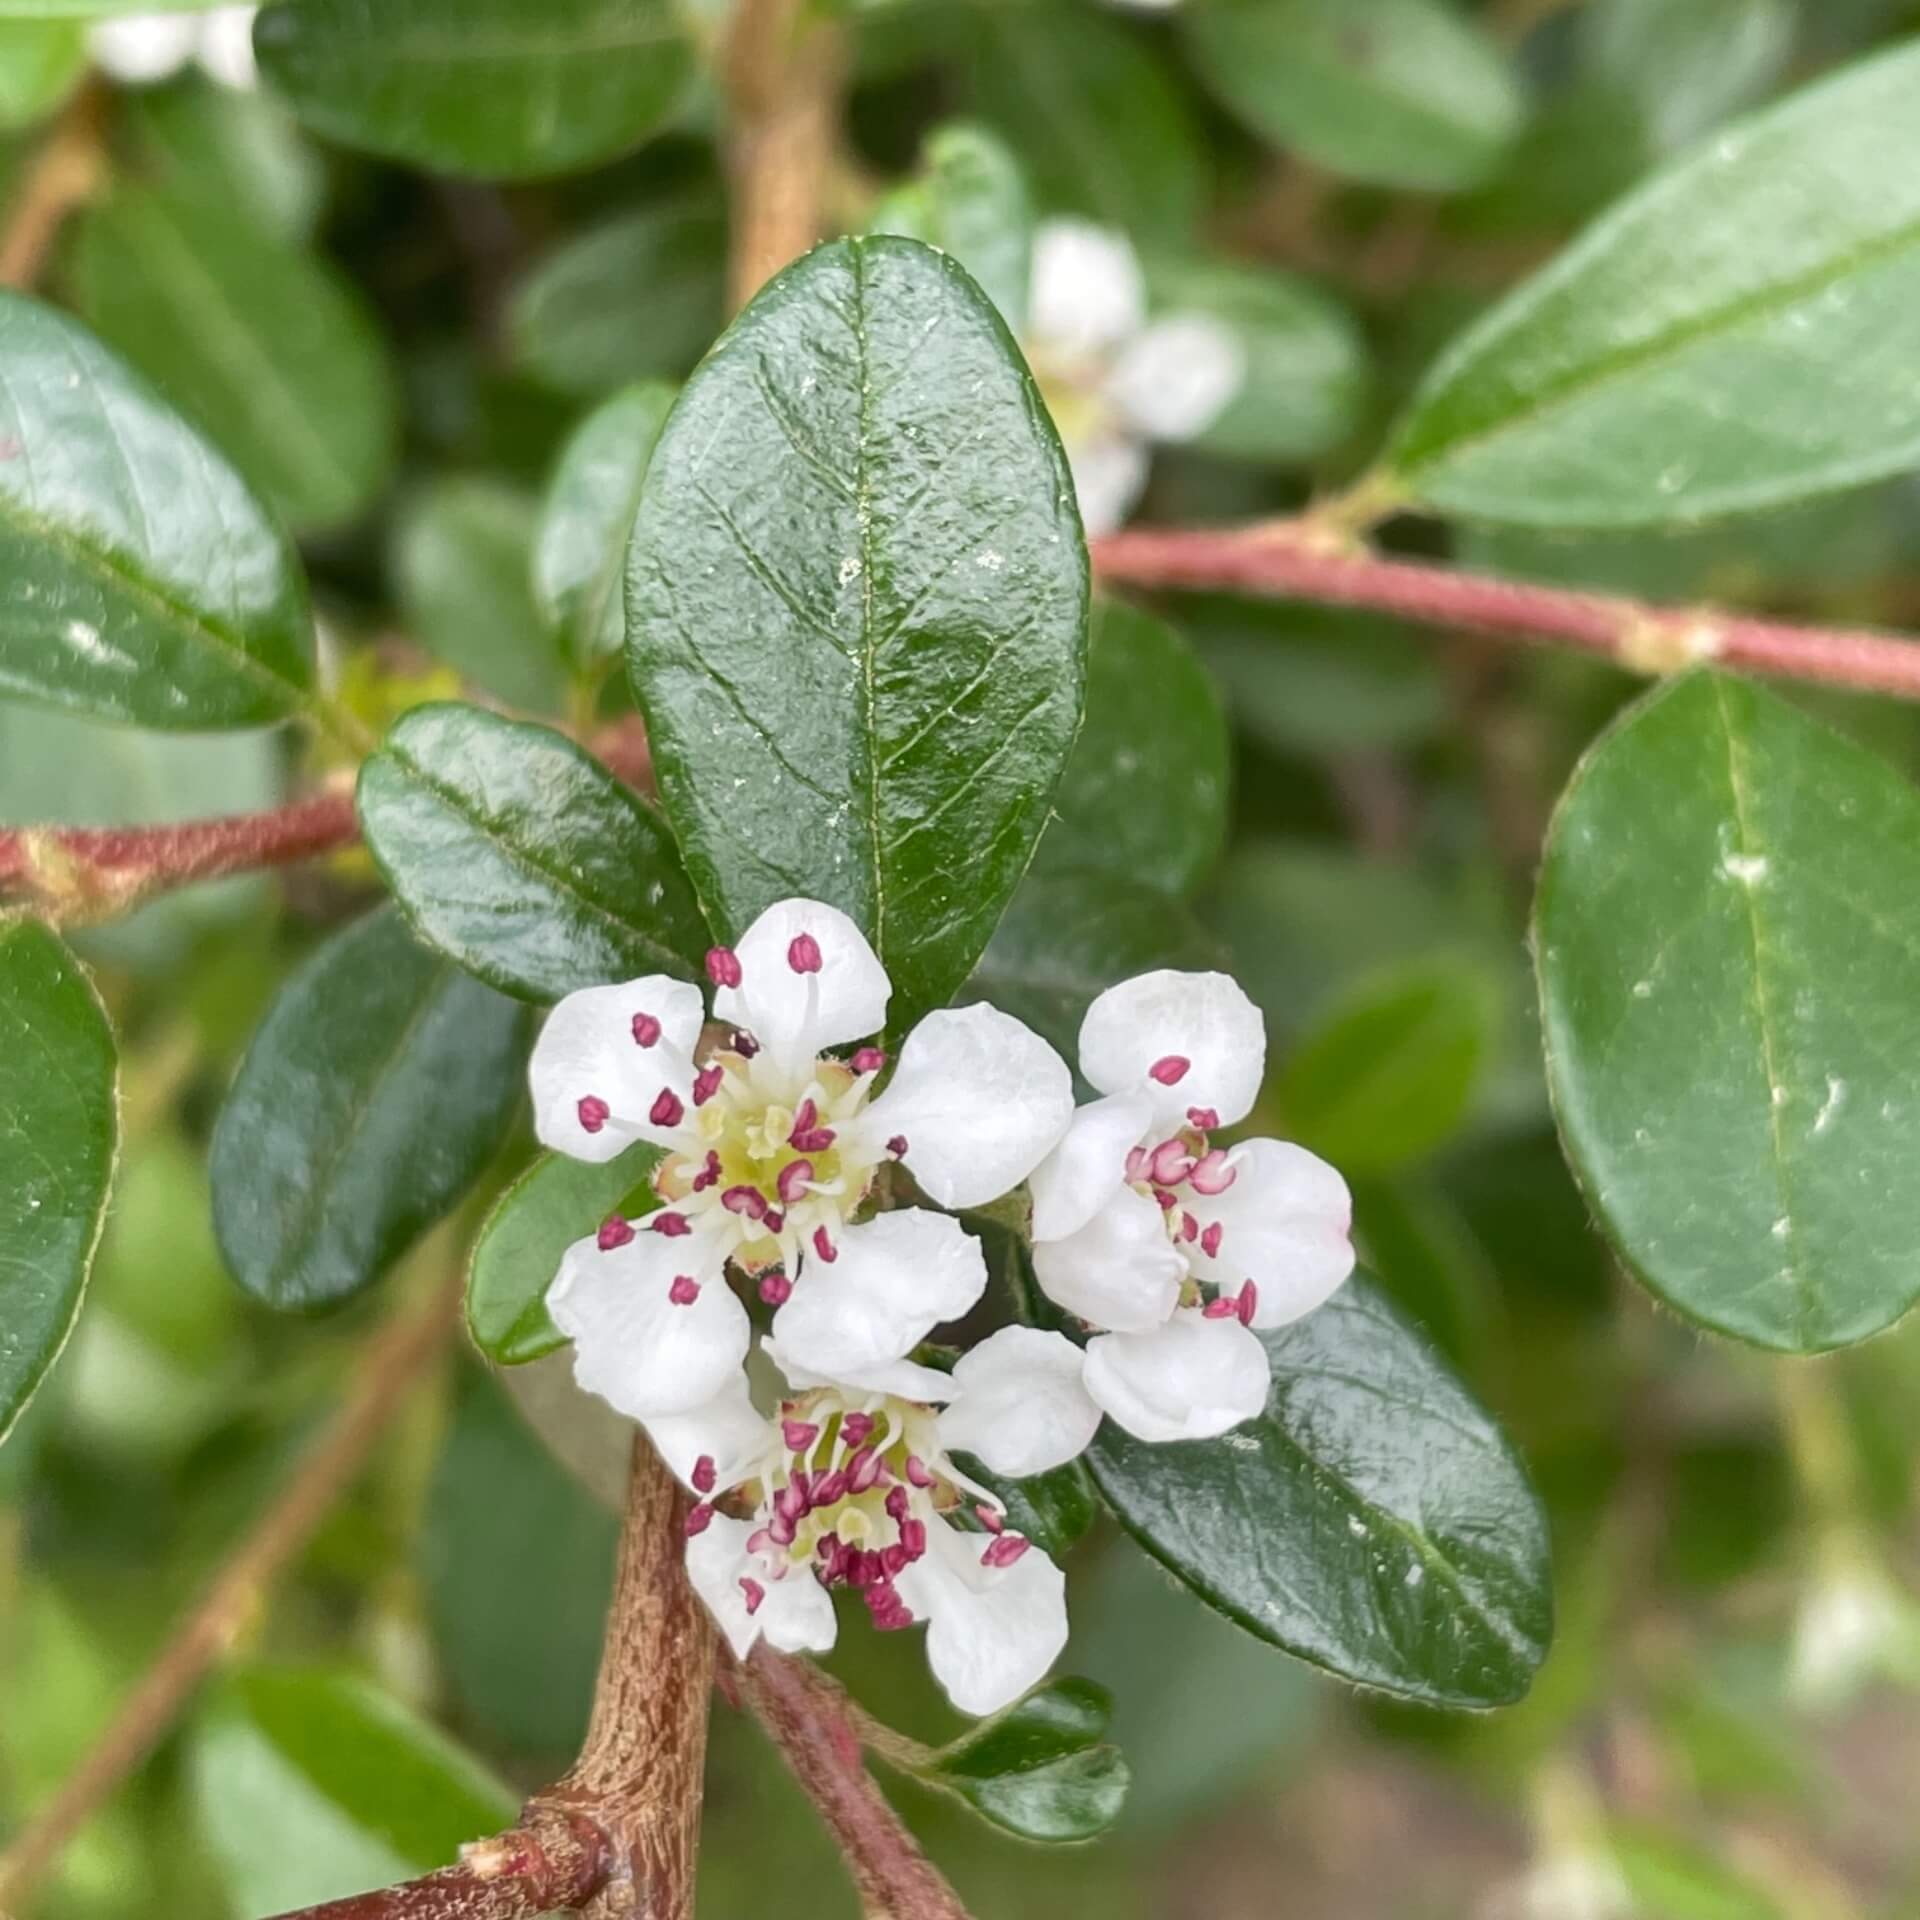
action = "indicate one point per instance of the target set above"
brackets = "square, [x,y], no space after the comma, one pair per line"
[58,1126]
[1144,796]
[1398,1545]
[554,1203]
[1728,940]
[146,584]
[1706,300]
[1405,93]
[970,200]
[506,89]
[856,609]
[380,1083]
[40,63]
[251,336]
[517,854]
[311,1785]
[580,551]
[1388,1075]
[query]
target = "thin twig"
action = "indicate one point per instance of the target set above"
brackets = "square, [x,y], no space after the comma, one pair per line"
[396,1357]
[63,176]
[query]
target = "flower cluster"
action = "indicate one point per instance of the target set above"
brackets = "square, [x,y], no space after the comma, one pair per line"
[776,1118]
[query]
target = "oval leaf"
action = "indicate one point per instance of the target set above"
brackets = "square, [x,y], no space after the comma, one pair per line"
[1705,348]
[499,88]
[518,855]
[857,609]
[58,1126]
[145,583]
[1373,1520]
[380,1083]
[1728,940]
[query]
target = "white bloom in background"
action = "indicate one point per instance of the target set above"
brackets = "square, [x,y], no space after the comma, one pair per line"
[772,1142]
[1113,381]
[1853,1626]
[140,49]
[1138,1218]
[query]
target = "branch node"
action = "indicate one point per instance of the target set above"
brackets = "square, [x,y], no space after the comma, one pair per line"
[1658,643]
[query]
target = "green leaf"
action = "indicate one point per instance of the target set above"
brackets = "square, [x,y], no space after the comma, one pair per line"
[1685,68]
[554,1203]
[1041,1768]
[463,567]
[311,1785]
[506,89]
[1728,939]
[514,852]
[580,550]
[40,63]
[1055,1510]
[571,322]
[1771,341]
[1404,93]
[146,584]
[1144,796]
[252,337]
[856,609]
[1388,1075]
[58,1126]
[380,1083]
[1399,1543]
[970,200]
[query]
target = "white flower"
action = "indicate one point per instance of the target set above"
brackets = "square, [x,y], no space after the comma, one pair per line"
[1853,1626]
[139,49]
[1136,1214]
[1112,381]
[772,1144]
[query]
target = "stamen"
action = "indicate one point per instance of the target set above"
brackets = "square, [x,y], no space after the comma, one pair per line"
[869,1060]
[774,1221]
[913,1536]
[746,1200]
[1210,1241]
[1189,1227]
[776,1289]
[991,1517]
[824,1247]
[1221,1307]
[744,1044]
[1169,1070]
[1170,1163]
[782,1529]
[1136,1165]
[646,1030]
[897,1146]
[1249,1300]
[1203,1119]
[856,1430]
[793,1181]
[709,1174]
[831,1488]
[805,1115]
[864,1471]
[1004,1551]
[667,1110]
[917,1471]
[615,1231]
[752,1588]
[803,953]
[594,1113]
[723,966]
[799,1435]
[706,1083]
[1166,1200]
[699,1518]
[684,1291]
[1213,1172]
[672,1225]
[704,1474]
[896,1503]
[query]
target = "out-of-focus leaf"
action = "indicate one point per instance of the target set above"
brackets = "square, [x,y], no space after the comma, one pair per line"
[379,1084]
[516,853]
[1705,347]
[58,1128]
[1685,68]
[970,200]
[249,335]
[499,88]
[580,551]
[1666,1876]
[242,151]
[1728,939]
[554,1203]
[1406,93]
[311,1785]
[856,609]
[144,582]
[40,61]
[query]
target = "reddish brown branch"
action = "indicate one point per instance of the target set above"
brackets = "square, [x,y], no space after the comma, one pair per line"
[61,178]
[1297,561]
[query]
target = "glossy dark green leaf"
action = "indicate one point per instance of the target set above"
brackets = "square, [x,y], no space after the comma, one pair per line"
[518,855]
[856,609]
[554,1203]
[41,62]
[311,1785]
[145,583]
[1704,348]
[1144,796]
[252,337]
[1374,1520]
[580,551]
[1055,1510]
[1728,939]
[1406,93]
[499,88]
[58,1127]
[969,199]
[380,1083]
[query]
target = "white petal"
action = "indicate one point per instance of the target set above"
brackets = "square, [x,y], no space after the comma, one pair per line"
[980,1100]
[797,1614]
[1189,1380]
[904,1379]
[1022,1408]
[799,1015]
[226,47]
[1175,379]
[895,1279]
[1285,1225]
[1201,1018]
[1120,1270]
[633,1345]
[1089,1166]
[991,1632]
[716,1562]
[142,47]
[587,1048]
[1109,475]
[726,1430]
[1086,290]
